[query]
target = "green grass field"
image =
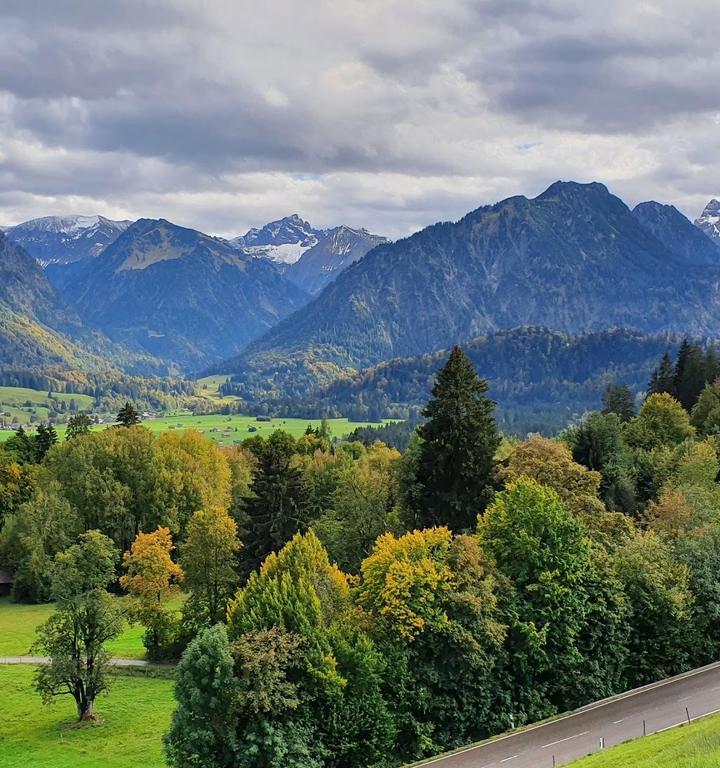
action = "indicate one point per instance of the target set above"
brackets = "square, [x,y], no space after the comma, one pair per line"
[134,715]
[18,623]
[688,746]
[20,404]
[227,430]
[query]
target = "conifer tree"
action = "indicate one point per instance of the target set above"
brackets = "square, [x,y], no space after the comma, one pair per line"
[456,468]
[663,377]
[202,731]
[128,416]
[618,399]
[690,374]
[278,508]
[45,438]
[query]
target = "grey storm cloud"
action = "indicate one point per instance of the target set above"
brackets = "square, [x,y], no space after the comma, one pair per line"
[389,114]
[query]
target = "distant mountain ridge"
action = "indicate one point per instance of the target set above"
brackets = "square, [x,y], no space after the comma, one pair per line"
[574,259]
[282,241]
[337,249]
[66,239]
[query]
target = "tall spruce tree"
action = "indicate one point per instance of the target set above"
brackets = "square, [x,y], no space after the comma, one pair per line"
[128,416]
[663,377]
[690,374]
[45,438]
[278,508]
[618,398]
[456,467]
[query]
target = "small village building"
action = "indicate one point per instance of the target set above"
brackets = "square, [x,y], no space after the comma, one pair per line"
[6,582]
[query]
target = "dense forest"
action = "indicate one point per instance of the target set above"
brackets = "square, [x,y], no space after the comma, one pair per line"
[350,605]
[540,379]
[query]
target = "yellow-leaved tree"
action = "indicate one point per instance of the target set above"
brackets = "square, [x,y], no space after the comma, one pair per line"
[153,579]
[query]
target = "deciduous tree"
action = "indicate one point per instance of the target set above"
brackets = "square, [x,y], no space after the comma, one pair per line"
[208,557]
[86,617]
[152,578]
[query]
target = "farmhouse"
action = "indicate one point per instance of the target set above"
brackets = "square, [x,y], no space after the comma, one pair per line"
[6,582]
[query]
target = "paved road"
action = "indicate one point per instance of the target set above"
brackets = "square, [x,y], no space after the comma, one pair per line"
[113,662]
[661,706]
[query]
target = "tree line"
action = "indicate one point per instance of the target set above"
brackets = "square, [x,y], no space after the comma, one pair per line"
[351,605]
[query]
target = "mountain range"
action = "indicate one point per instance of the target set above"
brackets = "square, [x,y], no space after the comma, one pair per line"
[179,294]
[575,259]
[290,310]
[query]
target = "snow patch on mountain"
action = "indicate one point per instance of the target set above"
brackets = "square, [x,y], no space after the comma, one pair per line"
[65,239]
[709,220]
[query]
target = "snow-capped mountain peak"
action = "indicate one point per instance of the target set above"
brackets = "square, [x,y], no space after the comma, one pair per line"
[709,220]
[283,241]
[64,239]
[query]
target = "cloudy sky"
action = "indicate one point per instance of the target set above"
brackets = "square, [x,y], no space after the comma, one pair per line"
[389,114]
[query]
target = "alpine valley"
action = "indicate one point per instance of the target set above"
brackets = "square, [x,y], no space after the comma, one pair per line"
[331,320]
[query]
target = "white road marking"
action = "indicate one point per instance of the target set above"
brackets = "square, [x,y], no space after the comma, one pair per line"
[505,759]
[685,698]
[567,738]
[616,722]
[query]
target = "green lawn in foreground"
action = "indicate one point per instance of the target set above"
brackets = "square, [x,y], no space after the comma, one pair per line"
[134,716]
[17,632]
[688,746]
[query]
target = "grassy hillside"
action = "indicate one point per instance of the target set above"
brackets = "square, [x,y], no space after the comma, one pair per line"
[691,746]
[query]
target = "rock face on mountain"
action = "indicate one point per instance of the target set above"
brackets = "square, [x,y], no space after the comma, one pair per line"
[677,233]
[179,294]
[65,239]
[709,220]
[574,259]
[283,241]
[336,250]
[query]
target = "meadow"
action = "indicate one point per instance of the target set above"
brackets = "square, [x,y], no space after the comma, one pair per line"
[133,715]
[17,631]
[20,404]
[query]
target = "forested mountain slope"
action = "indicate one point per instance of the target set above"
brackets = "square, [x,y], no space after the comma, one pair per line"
[541,379]
[574,259]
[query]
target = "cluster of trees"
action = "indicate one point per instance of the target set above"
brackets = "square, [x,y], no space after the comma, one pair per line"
[109,388]
[512,581]
[350,605]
